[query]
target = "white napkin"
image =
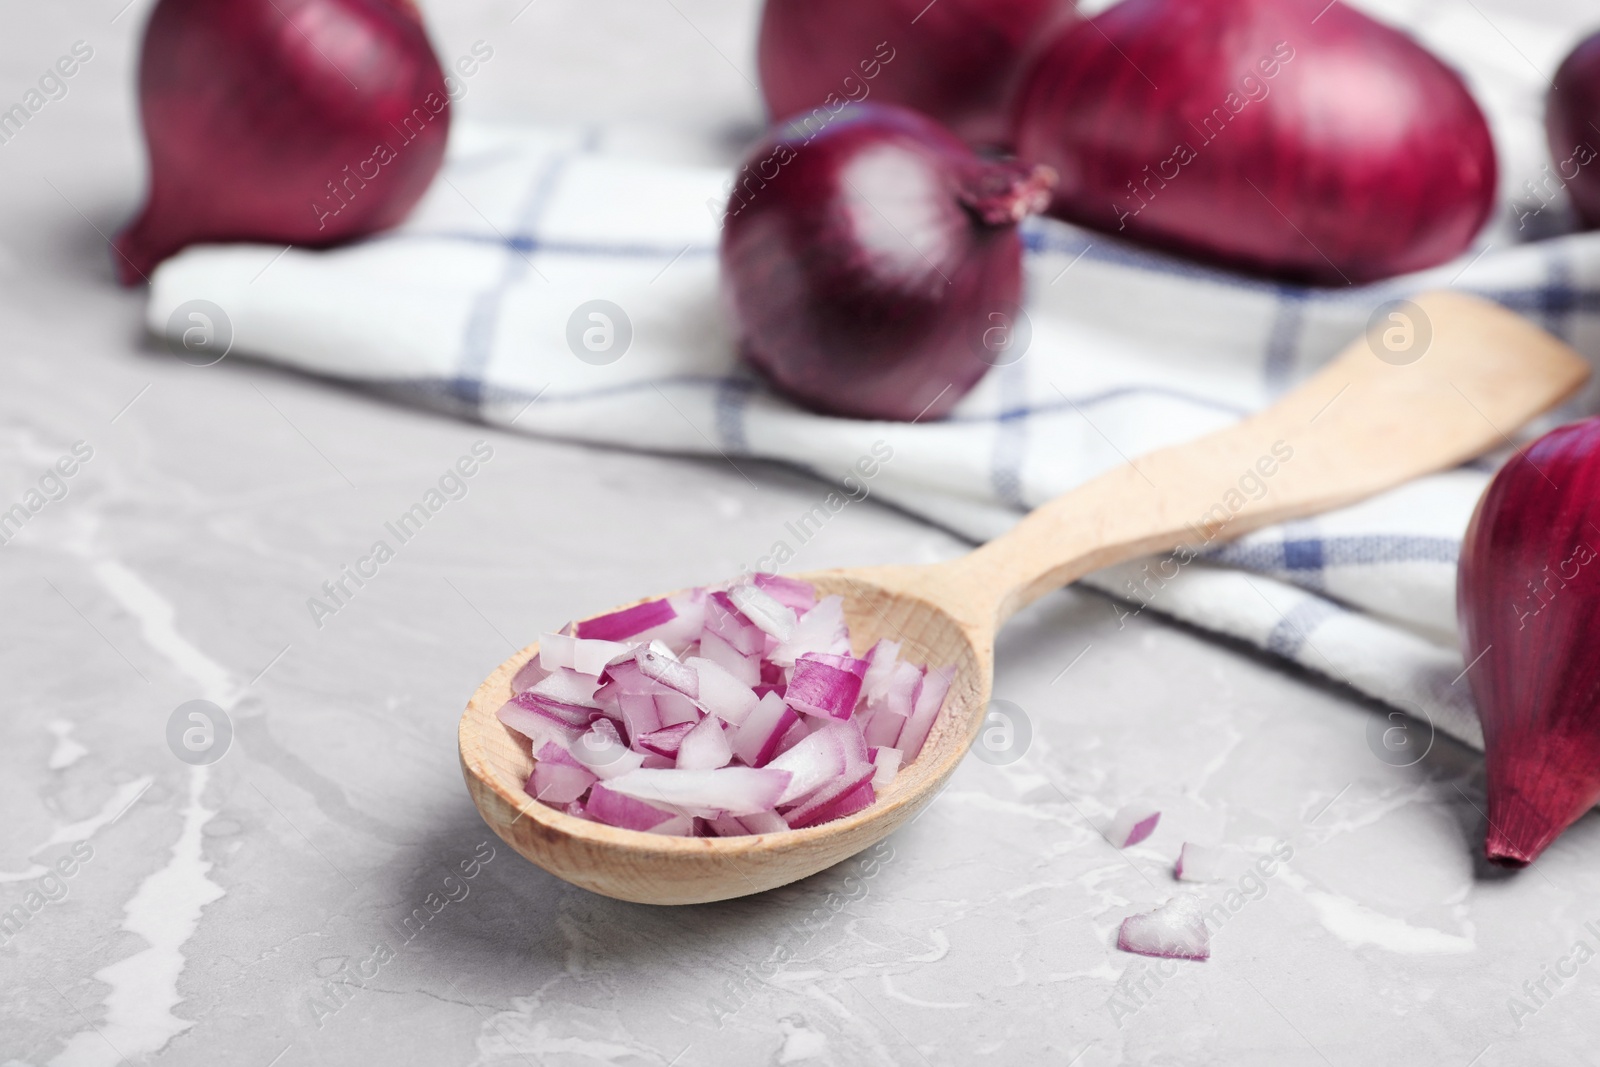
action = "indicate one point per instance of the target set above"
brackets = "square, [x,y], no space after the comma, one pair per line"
[469,307]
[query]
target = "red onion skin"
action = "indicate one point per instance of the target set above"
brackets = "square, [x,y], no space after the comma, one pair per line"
[1350,154]
[957,61]
[1528,598]
[1572,114]
[251,108]
[861,263]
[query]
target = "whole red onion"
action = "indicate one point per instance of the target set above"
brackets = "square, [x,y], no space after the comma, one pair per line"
[872,268]
[959,61]
[1572,116]
[296,121]
[1529,603]
[1277,136]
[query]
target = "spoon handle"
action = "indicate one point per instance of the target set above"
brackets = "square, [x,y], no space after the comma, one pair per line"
[1457,376]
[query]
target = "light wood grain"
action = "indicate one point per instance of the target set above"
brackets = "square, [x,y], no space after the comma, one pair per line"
[1357,428]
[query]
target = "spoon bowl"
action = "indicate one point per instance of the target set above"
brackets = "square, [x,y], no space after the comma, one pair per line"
[1365,423]
[657,869]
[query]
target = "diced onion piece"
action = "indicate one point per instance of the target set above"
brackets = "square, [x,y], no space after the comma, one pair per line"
[764,822]
[727,826]
[629,622]
[734,790]
[815,761]
[721,693]
[935,684]
[565,714]
[1199,863]
[901,689]
[764,610]
[567,686]
[585,657]
[639,713]
[538,729]
[684,629]
[659,666]
[887,764]
[883,728]
[881,662]
[677,826]
[705,747]
[528,676]
[727,622]
[756,741]
[836,800]
[664,742]
[1132,823]
[825,684]
[747,669]
[1175,931]
[557,778]
[673,707]
[822,629]
[800,597]
[621,810]
[601,750]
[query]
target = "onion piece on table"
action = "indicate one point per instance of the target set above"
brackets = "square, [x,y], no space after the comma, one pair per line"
[1199,863]
[1131,824]
[1176,931]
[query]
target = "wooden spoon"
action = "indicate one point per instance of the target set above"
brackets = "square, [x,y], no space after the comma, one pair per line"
[1360,426]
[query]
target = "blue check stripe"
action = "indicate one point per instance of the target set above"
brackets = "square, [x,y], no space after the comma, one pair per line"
[1321,553]
[1293,632]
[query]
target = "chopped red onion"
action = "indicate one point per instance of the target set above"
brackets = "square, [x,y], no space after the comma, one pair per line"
[1176,931]
[1197,863]
[674,707]
[679,716]
[618,809]
[659,665]
[822,629]
[721,693]
[567,686]
[729,790]
[558,778]
[930,698]
[880,667]
[835,800]
[601,750]
[529,676]
[796,595]
[887,764]
[566,714]
[665,742]
[817,759]
[764,610]
[757,739]
[727,622]
[746,668]
[629,622]
[586,657]
[763,822]
[705,747]
[1131,824]
[826,685]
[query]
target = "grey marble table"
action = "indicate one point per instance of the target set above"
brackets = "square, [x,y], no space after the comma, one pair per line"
[326,894]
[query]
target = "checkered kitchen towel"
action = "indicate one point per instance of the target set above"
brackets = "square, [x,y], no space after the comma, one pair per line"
[468,308]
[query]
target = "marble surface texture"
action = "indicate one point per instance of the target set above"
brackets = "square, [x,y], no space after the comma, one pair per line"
[325,893]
